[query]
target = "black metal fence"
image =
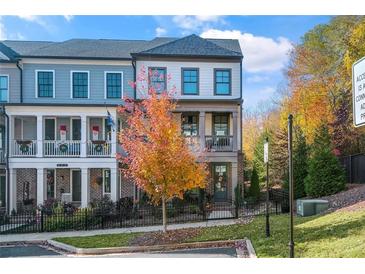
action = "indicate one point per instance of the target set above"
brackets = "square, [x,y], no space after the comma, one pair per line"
[64,219]
[354,166]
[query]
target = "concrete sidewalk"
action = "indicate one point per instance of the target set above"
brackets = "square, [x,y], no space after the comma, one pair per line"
[28,237]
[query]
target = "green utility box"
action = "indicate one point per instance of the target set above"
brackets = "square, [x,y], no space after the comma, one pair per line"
[311,207]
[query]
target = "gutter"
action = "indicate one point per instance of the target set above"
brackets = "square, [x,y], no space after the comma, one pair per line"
[7,160]
[21,81]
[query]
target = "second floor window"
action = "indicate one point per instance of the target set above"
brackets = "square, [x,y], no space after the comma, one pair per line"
[157,79]
[189,124]
[190,81]
[4,88]
[113,84]
[80,84]
[45,84]
[222,84]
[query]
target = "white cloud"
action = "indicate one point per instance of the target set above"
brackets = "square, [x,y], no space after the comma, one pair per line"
[33,19]
[68,18]
[193,23]
[257,79]
[260,53]
[160,31]
[4,34]
[2,31]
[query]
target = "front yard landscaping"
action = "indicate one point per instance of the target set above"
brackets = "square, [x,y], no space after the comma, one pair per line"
[337,234]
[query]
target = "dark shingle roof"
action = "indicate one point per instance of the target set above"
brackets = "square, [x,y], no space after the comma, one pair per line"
[120,49]
[194,45]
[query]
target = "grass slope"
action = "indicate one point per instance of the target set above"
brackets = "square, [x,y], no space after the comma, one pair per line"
[338,234]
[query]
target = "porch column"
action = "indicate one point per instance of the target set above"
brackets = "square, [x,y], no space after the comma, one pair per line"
[39,136]
[114,137]
[85,187]
[40,186]
[114,189]
[235,131]
[234,178]
[12,190]
[83,145]
[202,129]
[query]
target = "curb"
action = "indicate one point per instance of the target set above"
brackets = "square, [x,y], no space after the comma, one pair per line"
[250,249]
[131,249]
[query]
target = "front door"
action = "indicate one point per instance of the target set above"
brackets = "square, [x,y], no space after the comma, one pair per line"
[220,180]
[76,185]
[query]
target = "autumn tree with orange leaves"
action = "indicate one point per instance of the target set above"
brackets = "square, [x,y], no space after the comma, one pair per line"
[156,156]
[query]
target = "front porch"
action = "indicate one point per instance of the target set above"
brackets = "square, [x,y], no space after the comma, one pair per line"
[33,186]
[62,136]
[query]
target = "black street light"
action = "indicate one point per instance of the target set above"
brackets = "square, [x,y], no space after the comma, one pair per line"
[291,188]
[266,160]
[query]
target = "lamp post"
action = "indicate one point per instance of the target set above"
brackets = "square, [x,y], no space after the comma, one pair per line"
[266,160]
[291,188]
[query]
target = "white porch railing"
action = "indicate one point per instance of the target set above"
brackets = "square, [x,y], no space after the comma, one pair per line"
[218,143]
[21,148]
[99,148]
[67,148]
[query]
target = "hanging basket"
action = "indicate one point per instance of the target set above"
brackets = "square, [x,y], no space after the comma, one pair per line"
[63,147]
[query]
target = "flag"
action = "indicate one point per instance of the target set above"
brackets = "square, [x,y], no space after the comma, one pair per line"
[110,121]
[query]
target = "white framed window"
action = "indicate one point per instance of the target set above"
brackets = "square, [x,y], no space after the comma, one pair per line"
[106,182]
[4,88]
[45,84]
[80,84]
[113,85]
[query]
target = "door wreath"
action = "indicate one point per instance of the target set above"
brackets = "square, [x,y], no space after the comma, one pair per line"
[24,148]
[63,147]
[98,148]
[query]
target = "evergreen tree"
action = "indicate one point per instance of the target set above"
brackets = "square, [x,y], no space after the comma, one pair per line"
[325,174]
[300,164]
[254,191]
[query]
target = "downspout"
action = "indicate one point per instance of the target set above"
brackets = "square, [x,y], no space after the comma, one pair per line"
[21,81]
[7,161]
[134,78]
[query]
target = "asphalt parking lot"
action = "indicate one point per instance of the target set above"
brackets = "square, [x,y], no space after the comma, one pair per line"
[42,251]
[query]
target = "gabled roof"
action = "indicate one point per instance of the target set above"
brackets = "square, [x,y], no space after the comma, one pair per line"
[112,49]
[194,45]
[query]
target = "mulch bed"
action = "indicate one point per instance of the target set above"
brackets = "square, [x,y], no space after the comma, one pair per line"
[170,237]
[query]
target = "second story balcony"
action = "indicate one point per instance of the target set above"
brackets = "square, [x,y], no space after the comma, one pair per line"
[62,137]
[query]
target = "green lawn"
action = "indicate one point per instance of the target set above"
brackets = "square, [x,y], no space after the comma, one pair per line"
[340,234]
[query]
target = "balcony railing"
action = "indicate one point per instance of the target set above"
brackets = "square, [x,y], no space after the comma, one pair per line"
[98,148]
[24,148]
[67,148]
[193,142]
[218,143]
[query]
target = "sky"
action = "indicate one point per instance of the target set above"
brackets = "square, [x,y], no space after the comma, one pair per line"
[265,40]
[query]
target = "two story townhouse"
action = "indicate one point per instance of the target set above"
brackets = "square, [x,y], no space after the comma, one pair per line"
[59,119]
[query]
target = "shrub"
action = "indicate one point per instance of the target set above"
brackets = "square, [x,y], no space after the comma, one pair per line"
[325,174]
[254,191]
[103,206]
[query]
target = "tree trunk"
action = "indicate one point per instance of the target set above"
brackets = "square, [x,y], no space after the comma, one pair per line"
[164,219]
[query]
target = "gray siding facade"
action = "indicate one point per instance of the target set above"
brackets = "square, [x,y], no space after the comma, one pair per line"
[63,83]
[14,81]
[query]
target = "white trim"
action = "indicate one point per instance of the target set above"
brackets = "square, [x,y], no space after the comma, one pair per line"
[103,170]
[88,83]
[36,82]
[71,184]
[73,62]
[121,83]
[8,87]
[55,181]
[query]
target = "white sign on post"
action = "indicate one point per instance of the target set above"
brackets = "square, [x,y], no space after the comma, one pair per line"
[266,152]
[358,95]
